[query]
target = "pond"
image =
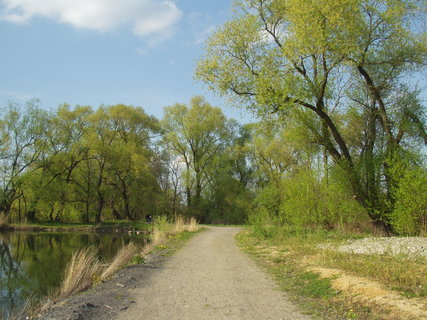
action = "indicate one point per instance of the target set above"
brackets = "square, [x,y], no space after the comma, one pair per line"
[32,264]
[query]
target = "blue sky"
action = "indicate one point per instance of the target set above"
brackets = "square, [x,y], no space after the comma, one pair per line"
[92,52]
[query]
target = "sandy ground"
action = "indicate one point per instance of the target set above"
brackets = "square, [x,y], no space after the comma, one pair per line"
[210,278]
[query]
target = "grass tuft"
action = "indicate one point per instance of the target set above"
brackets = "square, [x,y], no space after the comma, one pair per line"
[123,256]
[179,225]
[163,228]
[192,225]
[80,272]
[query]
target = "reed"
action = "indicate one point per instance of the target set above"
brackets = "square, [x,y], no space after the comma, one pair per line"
[192,225]
[80,272]
[123,256]
[179,225]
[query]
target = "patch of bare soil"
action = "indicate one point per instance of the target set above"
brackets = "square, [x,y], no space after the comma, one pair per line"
[371,293]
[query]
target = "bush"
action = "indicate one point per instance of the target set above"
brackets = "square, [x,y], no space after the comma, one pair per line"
[302,201]
[266,217]
[410,213]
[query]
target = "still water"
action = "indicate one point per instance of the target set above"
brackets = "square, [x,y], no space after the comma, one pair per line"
[32,264]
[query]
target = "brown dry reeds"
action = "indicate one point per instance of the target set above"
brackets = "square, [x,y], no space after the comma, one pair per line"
[179,225]
[163,228]
[158,237]
[192,225]
[123,256]
[80,272]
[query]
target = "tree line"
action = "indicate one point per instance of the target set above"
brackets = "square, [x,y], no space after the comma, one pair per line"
[80,164]
[340,142]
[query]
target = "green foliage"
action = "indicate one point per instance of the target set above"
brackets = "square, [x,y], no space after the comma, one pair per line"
[211,170]
[334,72]
[410,214]
[303,201]
[162,224]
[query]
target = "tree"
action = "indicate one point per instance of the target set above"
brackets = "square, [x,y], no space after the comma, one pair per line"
[297,59]
[23,139]
[197,134]
[122,140]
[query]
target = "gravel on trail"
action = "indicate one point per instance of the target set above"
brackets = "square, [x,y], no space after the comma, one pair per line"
[410,246]
[210,278]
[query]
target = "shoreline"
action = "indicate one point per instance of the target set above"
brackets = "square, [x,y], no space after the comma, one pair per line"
[107,298]
[89,228]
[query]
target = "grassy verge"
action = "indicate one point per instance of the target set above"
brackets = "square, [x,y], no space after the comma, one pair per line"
[290,256]
[406,275]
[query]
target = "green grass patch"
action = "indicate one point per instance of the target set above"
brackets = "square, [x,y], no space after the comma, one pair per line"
[174,242]
[314,295]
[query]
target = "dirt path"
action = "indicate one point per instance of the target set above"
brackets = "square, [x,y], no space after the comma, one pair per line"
[210,279]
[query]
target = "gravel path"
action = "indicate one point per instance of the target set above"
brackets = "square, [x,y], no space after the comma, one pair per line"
[210,279]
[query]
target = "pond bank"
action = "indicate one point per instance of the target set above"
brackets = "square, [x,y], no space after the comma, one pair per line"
[109,297]
[138,228]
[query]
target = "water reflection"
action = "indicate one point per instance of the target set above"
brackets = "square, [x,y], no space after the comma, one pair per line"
[32,264]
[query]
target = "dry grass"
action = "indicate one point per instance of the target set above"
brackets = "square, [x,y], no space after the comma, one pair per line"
[179,225]
[80,272]
[192,225]
[123,256]
[21,312]
[158,237]
[409,276]
[164,228]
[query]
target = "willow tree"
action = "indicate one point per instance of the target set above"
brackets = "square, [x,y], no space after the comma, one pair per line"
[197,134]
[23,140]
[298,59]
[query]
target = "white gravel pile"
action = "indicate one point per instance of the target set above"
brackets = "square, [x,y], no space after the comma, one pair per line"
[413,246]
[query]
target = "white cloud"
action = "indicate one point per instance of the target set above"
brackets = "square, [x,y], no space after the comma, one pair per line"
[145,17]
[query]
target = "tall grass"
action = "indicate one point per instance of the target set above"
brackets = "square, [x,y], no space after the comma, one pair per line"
[164,227]
[123,256]
[192,225]
[179,224]
[80,272]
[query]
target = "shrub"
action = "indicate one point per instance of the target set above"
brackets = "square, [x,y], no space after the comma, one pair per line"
[410,214]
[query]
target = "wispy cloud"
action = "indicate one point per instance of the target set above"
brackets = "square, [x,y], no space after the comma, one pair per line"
[146,18]
[202,35]
[201,25]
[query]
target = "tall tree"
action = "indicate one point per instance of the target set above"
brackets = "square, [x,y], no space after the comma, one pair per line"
[196,134]
[23,139]
[296,59]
